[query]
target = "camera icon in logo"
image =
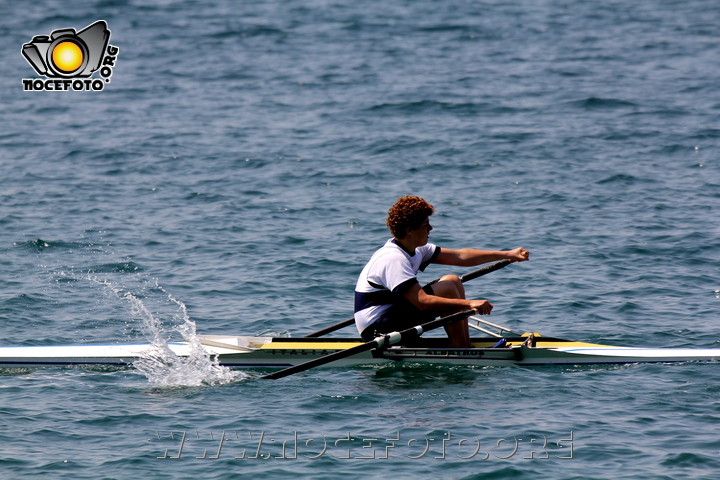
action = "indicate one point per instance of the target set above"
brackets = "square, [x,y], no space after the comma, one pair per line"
[67,53]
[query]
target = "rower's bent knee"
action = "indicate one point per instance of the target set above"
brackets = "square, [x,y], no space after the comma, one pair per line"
[457,282]
[449,286]
[451,278]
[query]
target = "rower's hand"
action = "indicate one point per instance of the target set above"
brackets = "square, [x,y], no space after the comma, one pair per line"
[482,307]
[518,255]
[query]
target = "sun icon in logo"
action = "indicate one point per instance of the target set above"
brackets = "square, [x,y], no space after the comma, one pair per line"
[67,56]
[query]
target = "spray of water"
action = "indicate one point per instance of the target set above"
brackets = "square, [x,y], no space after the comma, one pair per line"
[161,366]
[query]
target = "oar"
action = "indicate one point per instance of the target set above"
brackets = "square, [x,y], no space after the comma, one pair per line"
[379,342]
[463,278]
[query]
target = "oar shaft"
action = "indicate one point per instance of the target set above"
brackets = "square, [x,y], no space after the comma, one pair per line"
[364,347]
[485,270]
[331,328]
[463,278]
[381,341]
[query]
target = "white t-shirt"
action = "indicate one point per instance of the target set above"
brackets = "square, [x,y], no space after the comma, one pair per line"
[388,272]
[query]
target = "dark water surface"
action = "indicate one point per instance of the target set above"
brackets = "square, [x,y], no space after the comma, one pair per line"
[236,173]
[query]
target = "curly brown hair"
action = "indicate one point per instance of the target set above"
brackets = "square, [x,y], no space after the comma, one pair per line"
[409,212]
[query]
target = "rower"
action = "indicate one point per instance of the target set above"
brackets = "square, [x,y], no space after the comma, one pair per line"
[388,296]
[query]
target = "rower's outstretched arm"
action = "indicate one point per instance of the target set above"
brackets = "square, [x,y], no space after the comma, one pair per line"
[469,257]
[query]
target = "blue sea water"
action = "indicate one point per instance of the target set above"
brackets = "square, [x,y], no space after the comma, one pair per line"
[235,174]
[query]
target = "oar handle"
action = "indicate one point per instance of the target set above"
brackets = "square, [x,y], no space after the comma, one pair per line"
[379,342]
[463,278]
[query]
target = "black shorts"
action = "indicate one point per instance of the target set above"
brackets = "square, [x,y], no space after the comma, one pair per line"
[400,316]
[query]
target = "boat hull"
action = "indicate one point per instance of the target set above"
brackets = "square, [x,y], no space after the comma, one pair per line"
[267,352]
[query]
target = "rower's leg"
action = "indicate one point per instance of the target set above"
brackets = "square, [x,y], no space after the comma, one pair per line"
[450,286]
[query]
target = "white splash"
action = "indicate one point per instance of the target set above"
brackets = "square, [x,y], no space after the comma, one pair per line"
[161,366]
